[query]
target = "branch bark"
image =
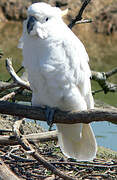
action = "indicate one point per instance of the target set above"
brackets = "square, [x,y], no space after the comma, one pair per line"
[38,113]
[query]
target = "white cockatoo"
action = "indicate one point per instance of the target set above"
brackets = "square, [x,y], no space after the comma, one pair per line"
[59,75]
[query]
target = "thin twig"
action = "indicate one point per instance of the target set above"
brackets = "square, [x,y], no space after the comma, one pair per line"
[21,159]
[79,15]
[86,164]
[105,176]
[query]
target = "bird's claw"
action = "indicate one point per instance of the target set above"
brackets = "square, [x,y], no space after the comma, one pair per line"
[50,116]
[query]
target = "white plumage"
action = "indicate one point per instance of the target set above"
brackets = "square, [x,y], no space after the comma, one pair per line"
[59,75]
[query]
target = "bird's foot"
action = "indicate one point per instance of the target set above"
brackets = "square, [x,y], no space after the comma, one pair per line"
[50,116]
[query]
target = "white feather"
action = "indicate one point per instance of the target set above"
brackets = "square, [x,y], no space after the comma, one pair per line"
[59,75]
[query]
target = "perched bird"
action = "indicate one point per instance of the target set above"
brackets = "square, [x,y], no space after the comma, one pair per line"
[59,75]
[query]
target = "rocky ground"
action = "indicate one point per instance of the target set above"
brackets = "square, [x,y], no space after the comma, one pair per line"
[104,13]
[6,122]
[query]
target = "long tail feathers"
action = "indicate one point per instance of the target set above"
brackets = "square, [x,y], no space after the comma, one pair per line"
[77,141]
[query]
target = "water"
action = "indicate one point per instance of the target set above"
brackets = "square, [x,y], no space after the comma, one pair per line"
[106,134]
[103,54]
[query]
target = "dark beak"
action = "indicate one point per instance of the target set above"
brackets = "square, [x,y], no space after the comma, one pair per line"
[31,22]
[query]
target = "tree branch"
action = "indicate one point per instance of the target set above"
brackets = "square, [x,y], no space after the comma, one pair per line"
[16,73]
[83,21]
[38,113]
[101,78]
[79,15]
[12,94]
[110,73]
[32,138]
[4,86]
[15,77]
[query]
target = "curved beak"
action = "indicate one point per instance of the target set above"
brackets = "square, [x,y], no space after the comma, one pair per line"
[31,22]
[64,12]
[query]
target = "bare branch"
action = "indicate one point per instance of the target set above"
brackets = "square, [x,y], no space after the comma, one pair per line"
[16,73]
[97,91]
[79,15]
[41,137]
[83,21]
[2,131]
[110,73]
[32,138]
[101,78]
[38,113]
[8,96]
[90,165]
[15,77]
[12,94]
[4,86]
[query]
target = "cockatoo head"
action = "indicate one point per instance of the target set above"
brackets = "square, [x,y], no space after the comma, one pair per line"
[41,18]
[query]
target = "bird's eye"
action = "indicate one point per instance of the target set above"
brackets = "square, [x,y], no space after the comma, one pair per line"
[47,19]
